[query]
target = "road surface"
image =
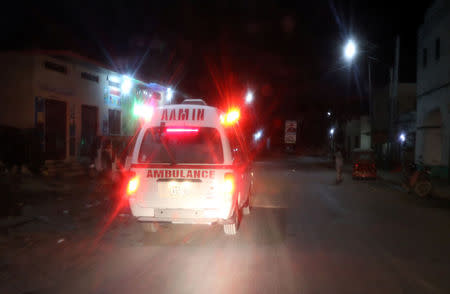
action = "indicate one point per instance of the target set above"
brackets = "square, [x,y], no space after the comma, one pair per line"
[304,235]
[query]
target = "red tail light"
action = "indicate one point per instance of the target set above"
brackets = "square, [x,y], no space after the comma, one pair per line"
[229,185]
[133,185]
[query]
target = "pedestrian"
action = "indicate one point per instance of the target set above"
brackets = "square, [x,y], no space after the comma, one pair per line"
[339,165]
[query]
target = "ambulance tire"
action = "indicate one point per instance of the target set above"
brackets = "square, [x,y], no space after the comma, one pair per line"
[231,229]
[150,227]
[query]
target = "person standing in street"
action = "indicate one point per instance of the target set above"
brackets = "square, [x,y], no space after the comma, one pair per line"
[339,165]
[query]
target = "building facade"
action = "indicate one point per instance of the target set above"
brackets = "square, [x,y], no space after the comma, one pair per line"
[68,101]
[433,89]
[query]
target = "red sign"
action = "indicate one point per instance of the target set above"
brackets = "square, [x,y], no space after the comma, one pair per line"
[180,173]
[183,114]
[114,92]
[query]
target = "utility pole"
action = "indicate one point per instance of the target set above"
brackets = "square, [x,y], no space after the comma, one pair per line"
[394,99]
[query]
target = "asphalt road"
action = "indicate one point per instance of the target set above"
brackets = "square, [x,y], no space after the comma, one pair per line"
[304,235]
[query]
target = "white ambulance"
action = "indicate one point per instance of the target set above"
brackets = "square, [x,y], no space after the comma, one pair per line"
[189,166]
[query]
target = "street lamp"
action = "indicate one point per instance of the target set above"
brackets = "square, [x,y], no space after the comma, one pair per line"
[257,135]
[331,132]
[127,84]
[328,114]
[249,97]
[402,137]
[350,50]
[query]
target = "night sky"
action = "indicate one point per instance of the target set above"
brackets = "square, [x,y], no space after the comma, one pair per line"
[289,53]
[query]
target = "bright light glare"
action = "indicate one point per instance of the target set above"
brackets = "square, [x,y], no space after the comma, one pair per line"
[257,135]
[229,184]
[126,85]
[132,185]
[249,97]
[143,110]
[180,130]
[331,131]
[169,94]
[231,117]
[350,50]
[402,137]
[114,79]
[328,113]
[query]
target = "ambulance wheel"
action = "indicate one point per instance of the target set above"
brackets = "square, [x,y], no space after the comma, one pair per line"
[246,208]
[231,229]
[149,227]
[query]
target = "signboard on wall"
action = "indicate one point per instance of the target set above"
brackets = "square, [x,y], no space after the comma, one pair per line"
[290,132]
[110,98]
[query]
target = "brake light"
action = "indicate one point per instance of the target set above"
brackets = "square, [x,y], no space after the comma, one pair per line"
[229,184]
[182,130]
[133,184]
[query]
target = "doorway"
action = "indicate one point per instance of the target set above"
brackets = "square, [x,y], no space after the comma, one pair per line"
[89,125]
[55,129]
[433,138]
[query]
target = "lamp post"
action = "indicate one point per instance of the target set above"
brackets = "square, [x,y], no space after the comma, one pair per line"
[350,53]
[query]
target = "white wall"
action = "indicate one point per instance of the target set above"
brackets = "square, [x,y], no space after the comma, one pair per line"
[27,77]
[17,104]
[437,100]
[433,90]
[437,72]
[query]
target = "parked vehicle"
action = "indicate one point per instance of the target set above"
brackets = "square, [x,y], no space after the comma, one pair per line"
[417,180]
[364,166]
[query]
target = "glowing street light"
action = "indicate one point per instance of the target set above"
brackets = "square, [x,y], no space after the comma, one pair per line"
[402,137]
[257,135]
[127,84]
[331,131]
[169,95]
[249,97]
[328,114]
[350,50]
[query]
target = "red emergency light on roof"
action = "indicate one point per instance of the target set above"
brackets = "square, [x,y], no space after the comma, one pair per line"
[231,117]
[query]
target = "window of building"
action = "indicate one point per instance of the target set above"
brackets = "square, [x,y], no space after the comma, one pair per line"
[89,77]
[114,122]
[424,61]
[437,54]
[55,67]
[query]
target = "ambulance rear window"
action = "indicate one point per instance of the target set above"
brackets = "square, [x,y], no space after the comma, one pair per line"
[181,145]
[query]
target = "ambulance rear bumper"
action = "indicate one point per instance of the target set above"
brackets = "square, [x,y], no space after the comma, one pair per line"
[180,216]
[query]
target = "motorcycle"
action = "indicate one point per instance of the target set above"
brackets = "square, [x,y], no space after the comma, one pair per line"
[418,180]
